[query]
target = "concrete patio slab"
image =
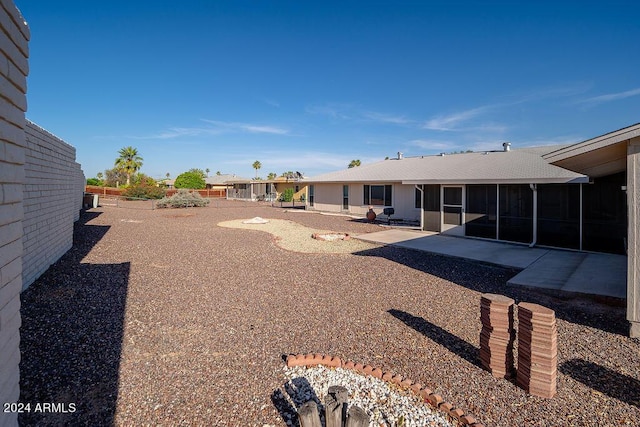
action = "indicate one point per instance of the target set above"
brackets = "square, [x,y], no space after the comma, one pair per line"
[503,254]
[563,270]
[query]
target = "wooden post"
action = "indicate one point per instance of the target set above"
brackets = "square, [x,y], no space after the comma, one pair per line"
[357,417]
[308,415]
[335,405]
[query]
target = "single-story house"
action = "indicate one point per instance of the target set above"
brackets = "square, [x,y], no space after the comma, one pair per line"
[582,196]
[266,190]
[249,189]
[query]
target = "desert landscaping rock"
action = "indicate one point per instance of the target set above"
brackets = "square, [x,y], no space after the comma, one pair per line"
[175,320]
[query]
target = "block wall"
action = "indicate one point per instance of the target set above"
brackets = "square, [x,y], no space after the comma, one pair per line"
[14,37]
[53,188]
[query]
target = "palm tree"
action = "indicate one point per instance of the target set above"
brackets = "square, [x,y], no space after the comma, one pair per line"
[129,161]
[168,175]
[354,163]
[257,165]
[207,170]
[218,173]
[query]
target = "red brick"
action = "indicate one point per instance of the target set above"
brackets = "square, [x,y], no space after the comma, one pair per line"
[424,394]
[336,362]
[294,360]
[406,383]
[446,407]
[367,369]
[416,387]
[387,376]
[377,373]
[397,379]
[467,420]
[349,364]
[435,400]
[358,367]
[456,413]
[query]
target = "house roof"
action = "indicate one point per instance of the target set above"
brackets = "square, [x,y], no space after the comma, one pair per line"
[220,179]
[515,166]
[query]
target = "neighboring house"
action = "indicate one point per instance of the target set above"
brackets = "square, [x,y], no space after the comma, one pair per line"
[297,182]
[266,190]
[578,196]
[248,189]
[218,182]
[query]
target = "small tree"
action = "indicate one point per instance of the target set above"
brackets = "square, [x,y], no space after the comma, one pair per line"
[218,173]
[287,195]
[272,175]
[191,180]
[114,177]
[257,165]
[354,163]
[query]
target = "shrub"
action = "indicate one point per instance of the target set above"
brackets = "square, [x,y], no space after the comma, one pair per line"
[183,199]
[191,180]
[287,195]
[144,191]
[94,181]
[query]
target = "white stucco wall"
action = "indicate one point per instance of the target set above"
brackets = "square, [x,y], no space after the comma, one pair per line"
[328,198]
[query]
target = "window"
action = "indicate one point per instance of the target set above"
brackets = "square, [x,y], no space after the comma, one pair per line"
[345,197]
[418,199]
[311,194]
[377,195]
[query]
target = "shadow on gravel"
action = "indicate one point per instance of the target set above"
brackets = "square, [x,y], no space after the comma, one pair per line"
[456,345]
[299,392]
[486,278]
[71,336]
[602,379]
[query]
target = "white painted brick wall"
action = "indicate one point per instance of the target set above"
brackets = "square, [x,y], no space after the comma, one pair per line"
[14,67]
[53,188]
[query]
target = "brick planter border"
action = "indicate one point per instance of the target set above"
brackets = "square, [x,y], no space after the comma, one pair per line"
[436,401]
[321,236]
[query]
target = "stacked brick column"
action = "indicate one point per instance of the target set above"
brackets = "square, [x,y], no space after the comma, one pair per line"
[497,335]
[537,349]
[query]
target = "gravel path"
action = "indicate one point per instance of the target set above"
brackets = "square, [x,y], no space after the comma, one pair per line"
[164,318]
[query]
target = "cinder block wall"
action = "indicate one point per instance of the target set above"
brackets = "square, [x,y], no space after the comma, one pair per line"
[53,188]
[14,37]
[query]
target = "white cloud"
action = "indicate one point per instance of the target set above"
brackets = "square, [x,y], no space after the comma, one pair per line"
[386,118]
[333,111]
[450,122]
[611,97]
[247,127]
[430,144]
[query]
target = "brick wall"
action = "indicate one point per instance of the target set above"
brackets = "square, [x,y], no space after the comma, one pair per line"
[14,37]
[53,187]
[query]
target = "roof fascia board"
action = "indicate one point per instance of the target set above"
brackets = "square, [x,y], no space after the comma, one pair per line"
[577,180]
[593,144]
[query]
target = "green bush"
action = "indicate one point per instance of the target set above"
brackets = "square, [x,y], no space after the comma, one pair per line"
[144,191]
[287,195]
[183,199]
[190,180]
[94,181]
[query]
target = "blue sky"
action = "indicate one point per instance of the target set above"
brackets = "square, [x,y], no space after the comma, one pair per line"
[309,86]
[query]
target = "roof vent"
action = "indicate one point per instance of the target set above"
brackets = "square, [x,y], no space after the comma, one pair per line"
[506,146]
[400,155]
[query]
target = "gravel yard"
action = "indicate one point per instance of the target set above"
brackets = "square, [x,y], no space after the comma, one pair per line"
[163,317]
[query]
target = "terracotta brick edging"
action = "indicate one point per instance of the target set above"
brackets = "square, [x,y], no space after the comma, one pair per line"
[436,401]
[321,236]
